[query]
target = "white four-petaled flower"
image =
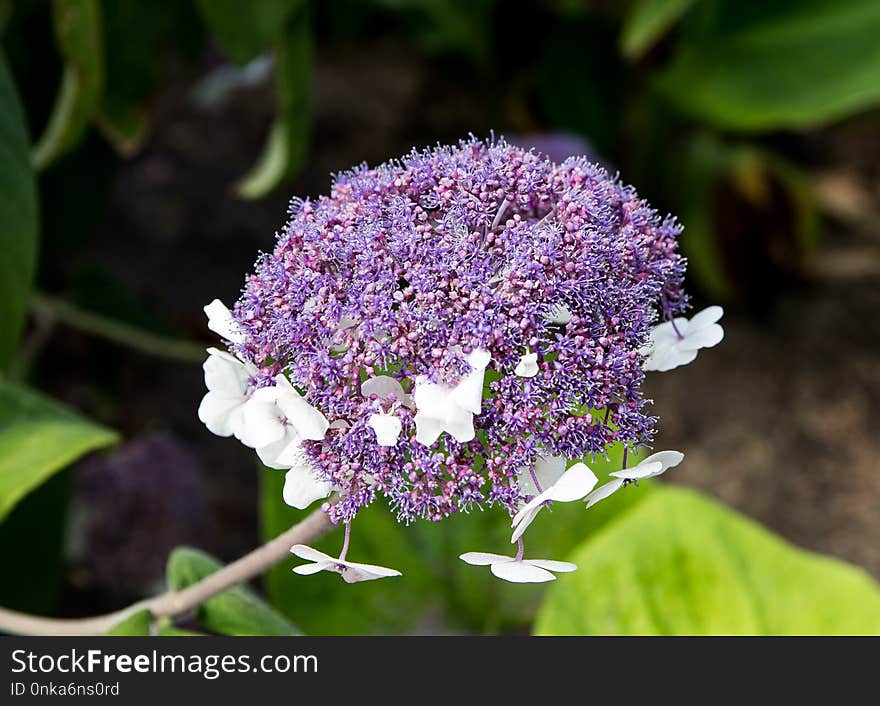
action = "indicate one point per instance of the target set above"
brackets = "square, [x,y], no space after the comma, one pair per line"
[573,484]
[650,467]
[451,409]
[518,570]
[527,366]
[675,343]
[386,425]
[351,572]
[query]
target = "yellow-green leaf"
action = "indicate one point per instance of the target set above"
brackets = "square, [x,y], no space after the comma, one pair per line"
[682,564]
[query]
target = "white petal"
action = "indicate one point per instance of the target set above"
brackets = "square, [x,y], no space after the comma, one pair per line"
[559,314]
[478,359]
[603,491]
[669,357]
[548,470]
[220,321]
[484,558]
[704,318]
[261,423]
[355,573]
[301,488]
[521,572]
[562,567]
[428,429]
[309,569]
[669,459]
[383,386]
[523,519]
[281,454]
[706,337]
[573,485]
[527,366]
[387,428]
[462,429]
[639,471]
[304,551]
[306,419]
[225,374]
[468,393]
[222,415]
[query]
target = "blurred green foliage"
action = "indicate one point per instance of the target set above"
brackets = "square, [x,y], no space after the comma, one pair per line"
[681,564]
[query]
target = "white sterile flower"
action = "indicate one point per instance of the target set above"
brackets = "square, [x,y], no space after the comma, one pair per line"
[572,485]
[546,472]
[450,409]
[351,571]
[527,366]
[387,428]
[652,466]
[559,314]
[220,321]
[277,419]
[519,570]
[675,343]
[302,487]
[228,382]
[385,386]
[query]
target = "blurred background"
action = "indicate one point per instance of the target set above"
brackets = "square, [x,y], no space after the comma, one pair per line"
[166,139]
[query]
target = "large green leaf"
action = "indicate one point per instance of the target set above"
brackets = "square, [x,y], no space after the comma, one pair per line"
[18,217]
[437,590]
[681,564]
[762,66]
[245,30]
[236,611]
[287,141]
[136,624]
[647,21]
[78,35]
[39,437]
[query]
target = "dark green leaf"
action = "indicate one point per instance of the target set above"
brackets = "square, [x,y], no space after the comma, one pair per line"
[764,66]
[647,21]
[137,623]
[246,30]
[286,144]
[39,437]
[681,564]
[18,217]
[78,34]
[236,611]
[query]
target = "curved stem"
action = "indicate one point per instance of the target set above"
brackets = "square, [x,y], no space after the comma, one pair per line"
[175,603]
[119,332]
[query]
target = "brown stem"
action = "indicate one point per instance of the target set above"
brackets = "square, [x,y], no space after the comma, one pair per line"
[174,603]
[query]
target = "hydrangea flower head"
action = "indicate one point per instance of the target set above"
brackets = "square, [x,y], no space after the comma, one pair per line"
[453,317]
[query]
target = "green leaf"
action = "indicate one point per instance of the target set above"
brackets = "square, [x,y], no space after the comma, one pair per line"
[137,623]
[682,564]
[246,30]
[765,66]
[437,587]
[647,21]
[18,217]
[174,631]
[236,611]
[286,144]
[39,437]
[134,33]
[78,34]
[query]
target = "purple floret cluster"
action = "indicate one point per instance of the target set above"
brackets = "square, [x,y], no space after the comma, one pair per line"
[407,267]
